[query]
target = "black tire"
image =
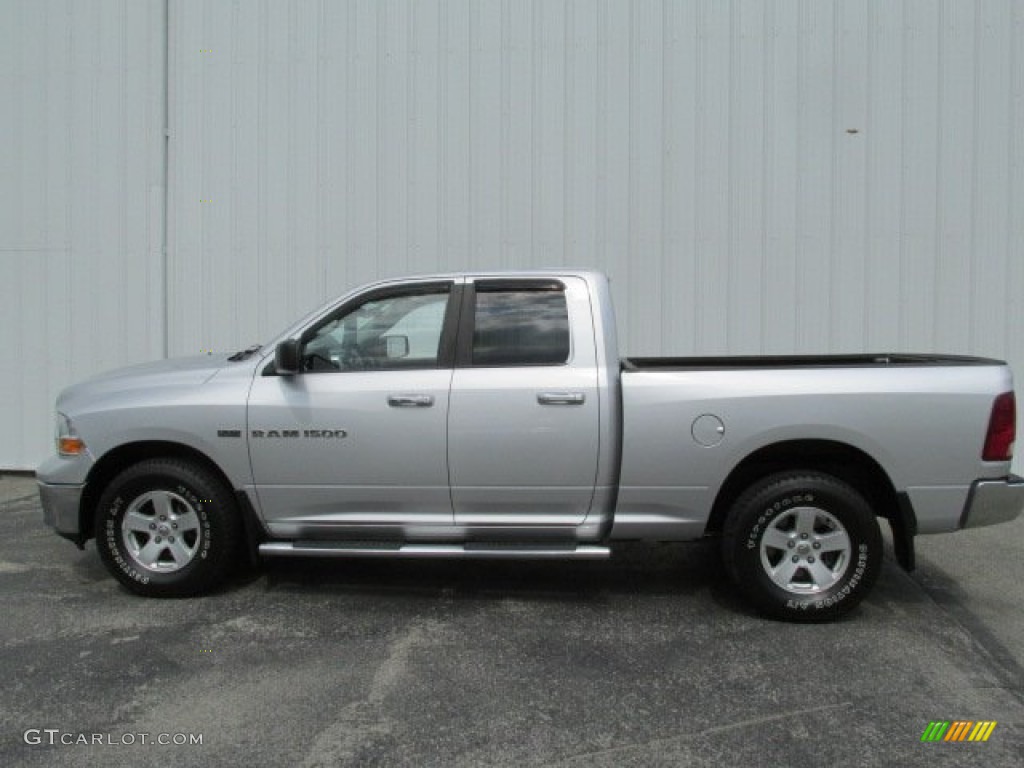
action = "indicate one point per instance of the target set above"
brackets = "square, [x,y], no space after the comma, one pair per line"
[783,546]
[168,528]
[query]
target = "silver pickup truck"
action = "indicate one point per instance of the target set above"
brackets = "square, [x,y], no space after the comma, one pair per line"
[490,416]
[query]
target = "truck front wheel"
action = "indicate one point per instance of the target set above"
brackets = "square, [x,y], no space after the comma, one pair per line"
[167,528]
[802,546]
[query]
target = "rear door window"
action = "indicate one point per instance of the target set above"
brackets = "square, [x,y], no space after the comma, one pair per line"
[520,325]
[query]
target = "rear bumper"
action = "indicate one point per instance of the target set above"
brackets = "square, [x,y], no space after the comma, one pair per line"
[993,501]
[61,509]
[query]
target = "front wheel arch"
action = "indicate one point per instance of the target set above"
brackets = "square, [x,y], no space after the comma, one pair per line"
[118,459]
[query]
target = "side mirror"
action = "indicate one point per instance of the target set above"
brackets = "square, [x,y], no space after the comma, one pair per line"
[287,359]
[396,347]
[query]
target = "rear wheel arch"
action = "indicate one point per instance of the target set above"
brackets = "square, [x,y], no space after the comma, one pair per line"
[841,460]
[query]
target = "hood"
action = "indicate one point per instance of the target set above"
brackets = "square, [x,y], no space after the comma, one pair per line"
[182,373]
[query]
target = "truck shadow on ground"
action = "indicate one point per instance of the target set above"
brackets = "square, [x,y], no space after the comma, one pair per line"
[691,570]
[645,570]
[675,569]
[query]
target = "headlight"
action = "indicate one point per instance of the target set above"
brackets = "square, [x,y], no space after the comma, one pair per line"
[68,443]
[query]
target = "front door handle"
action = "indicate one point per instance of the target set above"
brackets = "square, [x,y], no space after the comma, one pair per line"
[561,398]
[410,401]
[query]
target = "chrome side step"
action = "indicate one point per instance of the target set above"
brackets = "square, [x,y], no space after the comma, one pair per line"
[470,550]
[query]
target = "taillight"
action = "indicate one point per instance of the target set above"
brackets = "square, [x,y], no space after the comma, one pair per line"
[1002,429]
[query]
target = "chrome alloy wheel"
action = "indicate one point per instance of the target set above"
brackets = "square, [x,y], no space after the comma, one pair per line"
[805,550]
[161,531]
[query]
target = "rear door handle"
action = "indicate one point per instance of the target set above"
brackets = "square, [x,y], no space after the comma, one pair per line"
[561,398]
[410,401]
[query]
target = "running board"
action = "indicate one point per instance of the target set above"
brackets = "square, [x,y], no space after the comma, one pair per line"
[472,550]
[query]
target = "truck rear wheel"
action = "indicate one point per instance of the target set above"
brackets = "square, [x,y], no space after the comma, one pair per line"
[167,528]
[802,546]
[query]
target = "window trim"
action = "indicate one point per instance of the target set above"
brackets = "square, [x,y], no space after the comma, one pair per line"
[467,323]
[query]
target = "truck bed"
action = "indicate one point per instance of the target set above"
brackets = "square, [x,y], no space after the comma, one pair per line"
[688,421]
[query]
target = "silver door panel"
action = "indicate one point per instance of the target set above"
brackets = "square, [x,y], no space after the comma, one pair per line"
[391,467]
[524,440]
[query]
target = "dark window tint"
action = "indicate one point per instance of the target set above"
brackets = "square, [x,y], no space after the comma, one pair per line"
[521,327]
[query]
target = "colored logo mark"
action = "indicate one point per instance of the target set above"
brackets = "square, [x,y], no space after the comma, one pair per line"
[958,730]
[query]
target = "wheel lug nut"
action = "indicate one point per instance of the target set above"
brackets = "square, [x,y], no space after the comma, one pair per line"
[175,527]
[791,544]
[810,559]
[796,559]
[802,535]
[152,526]
[157,539]
[817,545]
[163,518]
[170,539]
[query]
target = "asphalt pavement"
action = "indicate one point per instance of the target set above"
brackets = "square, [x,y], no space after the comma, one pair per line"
[648,659]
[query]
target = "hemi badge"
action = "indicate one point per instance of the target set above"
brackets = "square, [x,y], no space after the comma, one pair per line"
[229,433]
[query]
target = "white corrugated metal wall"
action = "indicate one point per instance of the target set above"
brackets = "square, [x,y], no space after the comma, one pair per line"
[81,186]
[756,176]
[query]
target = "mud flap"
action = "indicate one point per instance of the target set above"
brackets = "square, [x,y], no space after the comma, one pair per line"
[903,524]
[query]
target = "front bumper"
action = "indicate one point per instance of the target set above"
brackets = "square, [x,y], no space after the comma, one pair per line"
[61,505]
[993,501]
